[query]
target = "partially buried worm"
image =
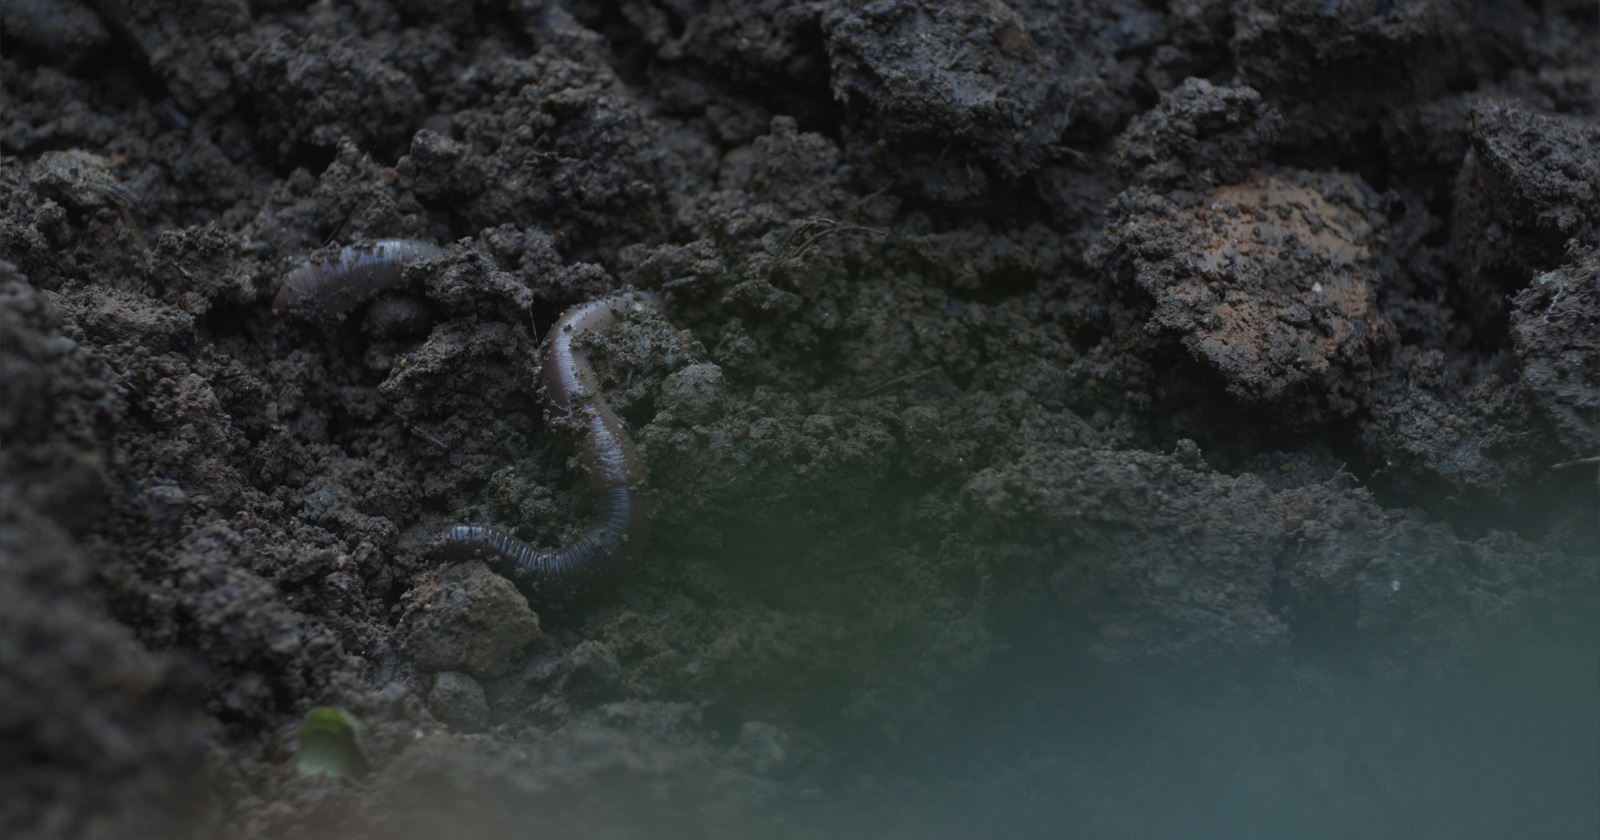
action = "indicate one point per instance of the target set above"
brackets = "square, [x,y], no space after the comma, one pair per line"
[616,477]
[356,273]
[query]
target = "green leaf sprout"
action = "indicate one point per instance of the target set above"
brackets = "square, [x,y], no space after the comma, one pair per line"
[331,745]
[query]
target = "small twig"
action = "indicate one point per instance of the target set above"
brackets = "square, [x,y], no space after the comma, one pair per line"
[856,205]
[429,437]
[904,379]
[830,226]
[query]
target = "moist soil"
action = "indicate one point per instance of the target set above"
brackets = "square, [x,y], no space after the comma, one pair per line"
[1038,384]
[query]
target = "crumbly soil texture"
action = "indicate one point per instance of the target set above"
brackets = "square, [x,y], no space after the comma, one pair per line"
[1027,371]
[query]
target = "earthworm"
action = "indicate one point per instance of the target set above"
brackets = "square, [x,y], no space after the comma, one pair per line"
[356,273]
[616,476]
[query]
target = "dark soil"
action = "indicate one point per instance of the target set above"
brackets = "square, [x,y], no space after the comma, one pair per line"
[1018,360]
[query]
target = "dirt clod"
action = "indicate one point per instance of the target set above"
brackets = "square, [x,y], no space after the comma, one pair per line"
[467,618]
[1271,282]
[1555,327]
[458,700]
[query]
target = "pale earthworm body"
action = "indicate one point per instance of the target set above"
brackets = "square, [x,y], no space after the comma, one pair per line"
[621,525]
[616,476]
[356,273]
